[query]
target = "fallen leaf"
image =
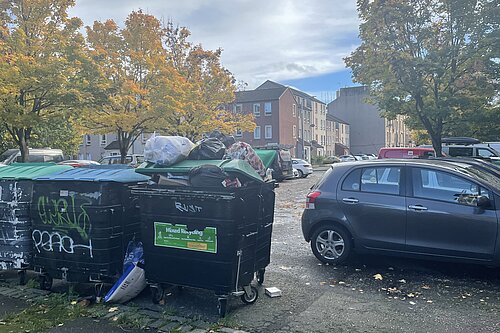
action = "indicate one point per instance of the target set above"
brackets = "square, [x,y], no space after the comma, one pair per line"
[59,325]
[73,302]
[341,282]
[426,287]
[412,303]
[113,309]
[390,268]
[429,301]
[358,269]
[378,277]
[410,295]
[285,268]
[402,281]
[308,284]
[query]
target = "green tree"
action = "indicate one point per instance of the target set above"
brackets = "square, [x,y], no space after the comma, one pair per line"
[432,60]
[41,62]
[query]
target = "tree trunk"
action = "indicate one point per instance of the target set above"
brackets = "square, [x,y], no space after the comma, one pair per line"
[123,145]
[436,144]
[23,145]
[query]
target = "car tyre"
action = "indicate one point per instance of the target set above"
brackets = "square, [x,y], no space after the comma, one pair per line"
[331,244]
[301,174]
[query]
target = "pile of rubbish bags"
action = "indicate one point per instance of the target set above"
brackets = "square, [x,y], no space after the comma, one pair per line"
[170,150]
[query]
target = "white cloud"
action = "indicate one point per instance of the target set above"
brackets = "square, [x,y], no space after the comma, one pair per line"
[262,39]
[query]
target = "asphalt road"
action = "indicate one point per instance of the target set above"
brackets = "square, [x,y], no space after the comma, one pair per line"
[412,296]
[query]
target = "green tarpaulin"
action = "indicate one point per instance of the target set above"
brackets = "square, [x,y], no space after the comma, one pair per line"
[29,171]
[267,156]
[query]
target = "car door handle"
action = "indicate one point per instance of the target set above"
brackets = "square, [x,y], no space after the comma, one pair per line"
[350,200]
[417,207]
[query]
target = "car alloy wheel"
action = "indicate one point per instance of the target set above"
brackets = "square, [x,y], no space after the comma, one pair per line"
[331,244]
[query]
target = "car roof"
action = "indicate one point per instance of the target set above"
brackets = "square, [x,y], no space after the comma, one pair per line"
[407,148]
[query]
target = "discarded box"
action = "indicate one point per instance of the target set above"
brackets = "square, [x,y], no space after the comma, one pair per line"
[273,292]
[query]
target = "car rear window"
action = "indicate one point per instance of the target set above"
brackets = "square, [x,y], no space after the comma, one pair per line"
[351,182]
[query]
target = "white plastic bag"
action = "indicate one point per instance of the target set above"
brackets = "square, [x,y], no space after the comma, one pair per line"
[167,150]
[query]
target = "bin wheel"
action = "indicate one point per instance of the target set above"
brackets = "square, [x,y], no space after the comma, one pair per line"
[98,291]
[222,307]
[45,281]
[252,297]
[260,276]
[22,277]
[156,293]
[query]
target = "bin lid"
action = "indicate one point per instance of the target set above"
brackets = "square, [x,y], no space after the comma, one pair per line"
[29,171]
[267,156]
[98,175]
[233,166]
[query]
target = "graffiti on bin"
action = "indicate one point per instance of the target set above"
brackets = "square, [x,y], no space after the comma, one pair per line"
[9,234]
[185,208]
[61,213]
[57,242]
[11,259]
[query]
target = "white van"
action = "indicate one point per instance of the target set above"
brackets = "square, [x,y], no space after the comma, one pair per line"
[35,155]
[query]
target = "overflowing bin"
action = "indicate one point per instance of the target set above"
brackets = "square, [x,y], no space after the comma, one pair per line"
[83,220]
[16,185]
[212,238]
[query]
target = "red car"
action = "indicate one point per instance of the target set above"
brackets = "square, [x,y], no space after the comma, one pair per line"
[405,152]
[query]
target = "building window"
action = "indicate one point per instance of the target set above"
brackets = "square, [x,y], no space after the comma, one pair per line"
[237,108]
[294,131]
[256,110]
[269,132]
[267,108]
[294,110]
[89,156]
[103,140]
[88,139]
[256,133]
[238,132]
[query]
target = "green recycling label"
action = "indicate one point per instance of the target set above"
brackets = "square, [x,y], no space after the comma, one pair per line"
[179,237]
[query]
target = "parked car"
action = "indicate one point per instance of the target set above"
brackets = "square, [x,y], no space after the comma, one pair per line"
[79,163]
[35,155]
[346,158]
[438,209]
[331,159]
[361,157]
[303,167]
[405,152]
[468,147]
[133,160]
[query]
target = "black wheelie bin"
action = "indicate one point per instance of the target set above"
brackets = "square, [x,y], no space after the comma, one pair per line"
[211,238]
[16,186]
[83,220]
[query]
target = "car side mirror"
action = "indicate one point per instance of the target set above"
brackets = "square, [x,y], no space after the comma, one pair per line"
[483,201]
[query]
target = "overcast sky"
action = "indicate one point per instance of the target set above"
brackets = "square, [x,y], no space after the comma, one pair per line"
[294,42]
